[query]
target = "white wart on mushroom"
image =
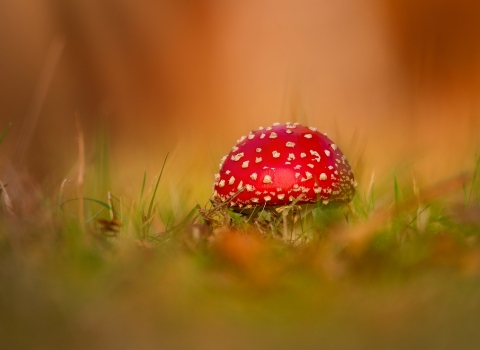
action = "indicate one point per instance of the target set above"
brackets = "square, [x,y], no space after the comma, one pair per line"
[282,163]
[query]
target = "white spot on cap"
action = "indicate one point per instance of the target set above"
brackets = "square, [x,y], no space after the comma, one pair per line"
[276,124]
[222,161]
[221,183]
[330,167]
[325,201]
[262,136]
[227,172]
[217,177]
[276,154]
[255,200]
[290,144]
[308,136]
[291,198]
[317,189]
[303,155]
[245,164]
[237,156]
[287,163]
[258,159]
[310,166]
[231,180]
[281,196]
[327,152]
[251,136]
[308,176]
[323,176]
[273,135]
[250,188]
[269,128]
[234,149]
[291,126]
[240,185]
[334,146]
[258,150]
[267,179]
[267,198]
[297,175]
[315,153]
[279,189]
[242,138]
[253,176]
[312,128]
[260,128]
[297,166]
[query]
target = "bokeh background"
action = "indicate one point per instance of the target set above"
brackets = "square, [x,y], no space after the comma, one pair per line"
[392,82]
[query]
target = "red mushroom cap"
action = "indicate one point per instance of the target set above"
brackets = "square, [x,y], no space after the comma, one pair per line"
[282,164]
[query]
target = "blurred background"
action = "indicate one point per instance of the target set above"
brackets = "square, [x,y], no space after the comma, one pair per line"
[391,81]
[395,83]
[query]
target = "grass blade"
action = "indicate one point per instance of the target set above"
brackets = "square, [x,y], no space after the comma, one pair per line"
[103,204]
[143,186]
[188,219]
[150,207]
[472,184]
[397,191]
[5,132]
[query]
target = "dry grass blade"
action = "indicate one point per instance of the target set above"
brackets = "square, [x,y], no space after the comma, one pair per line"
[53,57]
[81,170]
[6,200]
[110,227]
[60,192]
[209,215]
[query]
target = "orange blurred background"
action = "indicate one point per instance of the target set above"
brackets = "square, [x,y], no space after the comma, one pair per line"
[390,81]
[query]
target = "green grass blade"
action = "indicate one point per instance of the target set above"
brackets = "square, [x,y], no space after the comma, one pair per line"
[186,220]
[143,186]
[103,204]
[5,132]
[397,191]
[150,207]
[474,178]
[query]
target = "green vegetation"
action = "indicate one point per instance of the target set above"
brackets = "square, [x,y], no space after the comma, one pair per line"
[399,268]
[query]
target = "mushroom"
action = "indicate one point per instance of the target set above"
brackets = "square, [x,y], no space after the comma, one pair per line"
[281,165]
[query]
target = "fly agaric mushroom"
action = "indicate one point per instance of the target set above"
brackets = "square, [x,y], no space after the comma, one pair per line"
[283,164]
